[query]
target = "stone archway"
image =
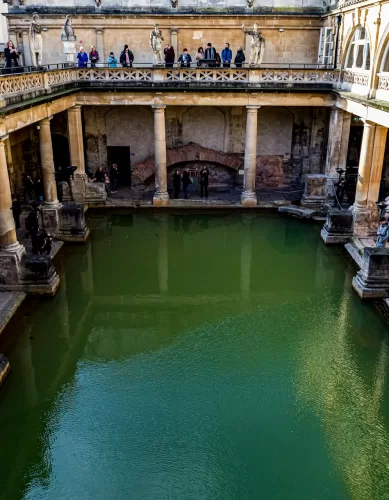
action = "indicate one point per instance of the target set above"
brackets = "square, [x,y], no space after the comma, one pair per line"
[191,155]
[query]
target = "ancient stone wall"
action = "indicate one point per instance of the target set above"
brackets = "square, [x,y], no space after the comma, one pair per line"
[291,141]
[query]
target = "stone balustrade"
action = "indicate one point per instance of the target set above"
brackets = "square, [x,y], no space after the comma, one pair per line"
[356,81]
[21,87]
[382,91]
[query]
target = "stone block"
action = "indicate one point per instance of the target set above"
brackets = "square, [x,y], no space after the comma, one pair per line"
[72,222]
[39,275]
[365,222]
[372,281]
[338,227]
[304,213]
[9,270]
[51,219]
[315,193]
[5,368]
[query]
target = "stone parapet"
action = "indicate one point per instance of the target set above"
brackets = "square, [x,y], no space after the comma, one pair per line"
[372,281]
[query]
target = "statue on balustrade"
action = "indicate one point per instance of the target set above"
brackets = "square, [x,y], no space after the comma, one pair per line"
[257,45]
[68,31]
[156,40]
[36,40]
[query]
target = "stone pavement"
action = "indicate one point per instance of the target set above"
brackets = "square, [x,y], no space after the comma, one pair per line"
[9,303]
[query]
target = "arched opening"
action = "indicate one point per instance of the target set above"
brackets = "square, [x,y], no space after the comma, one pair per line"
[358,53]
[60,150]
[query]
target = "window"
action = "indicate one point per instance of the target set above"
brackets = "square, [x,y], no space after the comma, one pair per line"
[358,55]
[385,61]
[326,46]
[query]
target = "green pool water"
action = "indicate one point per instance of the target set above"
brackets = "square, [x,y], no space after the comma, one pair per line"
[197,357]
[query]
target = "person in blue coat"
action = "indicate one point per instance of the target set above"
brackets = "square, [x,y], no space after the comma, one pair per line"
[82,57]
[226,56]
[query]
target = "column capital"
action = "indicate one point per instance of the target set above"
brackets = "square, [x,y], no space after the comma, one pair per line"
[3,138]
[252,107]
[174,30]
[367,123]
[45,121]
[158,107]
[99,30]
[76,107]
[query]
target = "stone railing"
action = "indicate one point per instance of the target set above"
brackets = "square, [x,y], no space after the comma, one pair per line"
[21,87]
[382,91]
[208,75]
[356,81]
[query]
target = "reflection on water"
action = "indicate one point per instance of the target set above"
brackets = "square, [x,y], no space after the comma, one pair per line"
[197,356]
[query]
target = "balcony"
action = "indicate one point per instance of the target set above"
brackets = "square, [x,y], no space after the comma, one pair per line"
[18,88]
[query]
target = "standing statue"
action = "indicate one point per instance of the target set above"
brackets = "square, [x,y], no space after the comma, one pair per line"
[257,45]
[36,40]
[67,30]
[156,40]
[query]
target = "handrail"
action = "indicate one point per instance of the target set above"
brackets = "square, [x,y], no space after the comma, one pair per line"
[17,70]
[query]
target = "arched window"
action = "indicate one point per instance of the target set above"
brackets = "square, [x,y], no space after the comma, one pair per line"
[385,60]
[358,55]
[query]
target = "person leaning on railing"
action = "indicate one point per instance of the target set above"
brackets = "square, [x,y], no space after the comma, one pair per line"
[126,57]
[93,57]
[82,57]
[239,58]
[11,56]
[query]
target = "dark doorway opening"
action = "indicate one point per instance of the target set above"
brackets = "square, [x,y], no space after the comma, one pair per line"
[60,150]
[121,155]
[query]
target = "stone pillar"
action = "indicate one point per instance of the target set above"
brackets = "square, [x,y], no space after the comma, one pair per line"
[249,197]
[365,217]
[47,162]
[26,48]
[338,138]
[76,140]
[174,41]
[161,196]
[376,166]
[100,45]
[8,238]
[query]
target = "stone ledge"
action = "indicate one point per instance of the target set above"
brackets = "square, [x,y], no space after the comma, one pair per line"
[9,304]
[303,213]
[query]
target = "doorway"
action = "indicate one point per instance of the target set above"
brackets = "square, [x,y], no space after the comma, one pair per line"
[121,155]
[61,154]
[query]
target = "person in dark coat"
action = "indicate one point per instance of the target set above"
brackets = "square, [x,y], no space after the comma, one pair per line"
[169,56]
[16,211]
[176,183]
[38,188]
[185,59]
[114,177]
[126,57]
[99,175]
[239,58]
[204,174]
[93,57]
[28,186]
[32,223]
[11,56]
[186,181]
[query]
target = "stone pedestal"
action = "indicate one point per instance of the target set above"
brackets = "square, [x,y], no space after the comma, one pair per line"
[83,191]
[69,48]
[365,221]
[72,223]
[29,273]
[372,281]
[316,192]
[66,221]
[338,227]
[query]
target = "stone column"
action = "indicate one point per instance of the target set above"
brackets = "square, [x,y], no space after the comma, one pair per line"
[161,196]
[364,166]
[365,217]
[174,41]
[76,140]
[249,197]
[338,138]
[100,45]
[376,166]
[47,162]
[26,48]
[8,239]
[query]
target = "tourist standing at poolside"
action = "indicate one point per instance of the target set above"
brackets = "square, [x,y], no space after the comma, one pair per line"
[114,177]
[176,183]
[186,180]
[204,175]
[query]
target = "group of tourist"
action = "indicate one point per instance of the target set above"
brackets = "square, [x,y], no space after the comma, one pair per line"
[185,178]
[109,178]
[207,58]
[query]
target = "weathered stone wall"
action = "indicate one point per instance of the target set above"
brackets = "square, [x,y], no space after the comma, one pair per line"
[289,39]
[291,141]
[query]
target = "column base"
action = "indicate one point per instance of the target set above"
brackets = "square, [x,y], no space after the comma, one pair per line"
[161,200]
[338,227]
[372,281]
[33,274]
[365,221]
[249,199]
[368,291]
